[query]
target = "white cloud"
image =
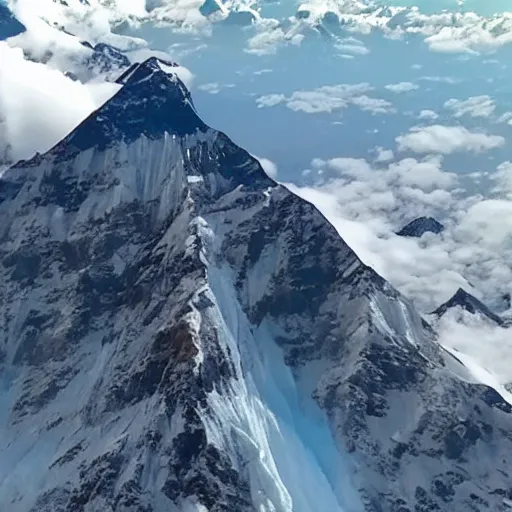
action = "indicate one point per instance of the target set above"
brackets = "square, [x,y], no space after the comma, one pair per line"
[475,106]
[503,179]
[268,166]
[506,117]
[352,46]
[491,346]
[40,105]
[428,115]
[266,41]
[402,87]
[373,105]
[214,87]
[368,204]
[329,98]
[383,155]
[426,175]
[88,21]
[440,79]
[262,71]
[489,222]
[353,167]
[446,140]
[471,34]
[270,100]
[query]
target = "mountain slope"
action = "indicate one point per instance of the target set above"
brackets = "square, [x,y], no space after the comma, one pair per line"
[179,332]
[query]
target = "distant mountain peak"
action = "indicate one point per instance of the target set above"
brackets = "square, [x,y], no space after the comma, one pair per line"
[468,303]
[418,227]
[152,101]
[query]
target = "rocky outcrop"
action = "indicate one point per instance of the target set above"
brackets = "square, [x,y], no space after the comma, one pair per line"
[418,227]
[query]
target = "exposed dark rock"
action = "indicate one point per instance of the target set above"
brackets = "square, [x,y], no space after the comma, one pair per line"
[10,26]
[418,227]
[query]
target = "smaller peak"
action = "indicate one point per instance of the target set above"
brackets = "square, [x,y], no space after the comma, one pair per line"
[462,295]
[105,58]
[469,303]
[418,227]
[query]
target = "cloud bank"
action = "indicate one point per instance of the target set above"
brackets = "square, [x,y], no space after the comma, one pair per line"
[447,139]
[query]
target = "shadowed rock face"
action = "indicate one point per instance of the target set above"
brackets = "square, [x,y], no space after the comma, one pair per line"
[469,303]
[179,331]
[418,227]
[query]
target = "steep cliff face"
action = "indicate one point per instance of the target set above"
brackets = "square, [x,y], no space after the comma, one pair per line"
[181,333]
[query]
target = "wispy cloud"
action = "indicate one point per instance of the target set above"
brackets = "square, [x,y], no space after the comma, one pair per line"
[329,98]
[447,139]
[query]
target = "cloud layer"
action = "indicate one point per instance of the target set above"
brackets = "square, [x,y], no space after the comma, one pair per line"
[369,202]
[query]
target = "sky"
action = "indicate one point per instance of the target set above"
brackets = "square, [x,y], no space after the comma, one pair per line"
[375,115]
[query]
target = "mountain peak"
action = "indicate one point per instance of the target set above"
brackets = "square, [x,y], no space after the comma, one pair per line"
[418,227]
[468,303]
[152,101]
[142,71]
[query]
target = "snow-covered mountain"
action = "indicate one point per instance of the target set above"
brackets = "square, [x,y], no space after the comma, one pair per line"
[463,302]
[181,333]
